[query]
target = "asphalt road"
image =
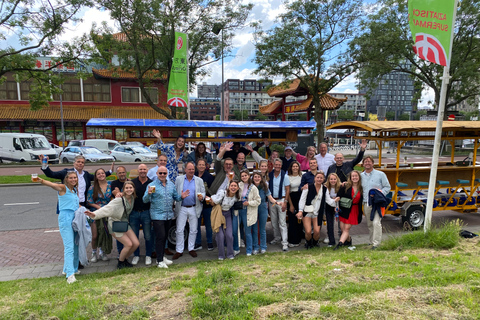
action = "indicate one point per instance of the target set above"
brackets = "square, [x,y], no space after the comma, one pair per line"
[25,207]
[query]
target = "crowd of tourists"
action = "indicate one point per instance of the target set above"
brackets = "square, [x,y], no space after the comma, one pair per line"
[298,193]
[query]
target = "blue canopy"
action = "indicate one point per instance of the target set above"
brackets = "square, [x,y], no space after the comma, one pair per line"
[204,125]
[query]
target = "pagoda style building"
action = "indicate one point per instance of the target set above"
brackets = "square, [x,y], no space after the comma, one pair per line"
[294,88]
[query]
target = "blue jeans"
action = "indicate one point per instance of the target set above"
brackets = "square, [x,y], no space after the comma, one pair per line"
[70,249]
[251,237]
[206,212]
[242,215]
[143,218]
[262,223]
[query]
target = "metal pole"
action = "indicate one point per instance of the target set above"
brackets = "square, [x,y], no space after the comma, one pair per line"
[222,111]
[61,119]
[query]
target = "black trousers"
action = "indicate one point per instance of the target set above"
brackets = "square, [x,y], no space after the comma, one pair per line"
[330,214]
[295,229]
[161,229]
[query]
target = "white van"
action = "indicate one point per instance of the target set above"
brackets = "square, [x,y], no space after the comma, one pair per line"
[104,145]
[21,147]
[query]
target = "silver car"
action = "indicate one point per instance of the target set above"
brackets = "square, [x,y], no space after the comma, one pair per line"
[128,153]
[91,154]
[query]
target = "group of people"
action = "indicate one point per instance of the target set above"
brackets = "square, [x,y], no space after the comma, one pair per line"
[297,192]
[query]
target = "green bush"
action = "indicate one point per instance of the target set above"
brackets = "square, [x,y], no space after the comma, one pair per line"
[445,236]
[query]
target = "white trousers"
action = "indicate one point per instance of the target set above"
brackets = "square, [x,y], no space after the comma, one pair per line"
[184,215]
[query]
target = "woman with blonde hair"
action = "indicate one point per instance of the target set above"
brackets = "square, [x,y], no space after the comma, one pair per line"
[352,215]
[118,210]
[68,203]
[312,207]
[249,214]
[305,160]
[333,185]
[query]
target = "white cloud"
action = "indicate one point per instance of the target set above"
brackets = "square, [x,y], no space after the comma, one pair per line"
[348,85]
[89,17]
[427,99]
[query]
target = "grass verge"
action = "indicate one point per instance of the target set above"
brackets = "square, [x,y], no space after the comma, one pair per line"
[421,283]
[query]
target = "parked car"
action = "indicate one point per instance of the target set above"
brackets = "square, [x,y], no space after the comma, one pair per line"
[21,147]
[104,145]
[57,149]
[132,143]
[91,154]
[133,154]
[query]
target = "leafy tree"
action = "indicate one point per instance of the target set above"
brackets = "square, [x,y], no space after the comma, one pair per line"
[310,43]
[404,117]
[385,45]
[261,117]
[419,114]
[390,115]
[149,32]
[240,115]
[345,115]
[30,29]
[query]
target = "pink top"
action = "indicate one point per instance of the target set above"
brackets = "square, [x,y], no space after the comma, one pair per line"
[304,162]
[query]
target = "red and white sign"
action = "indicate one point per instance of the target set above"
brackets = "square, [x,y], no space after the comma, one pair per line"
[430,49]
[179,43]
[451,117]
[177,102]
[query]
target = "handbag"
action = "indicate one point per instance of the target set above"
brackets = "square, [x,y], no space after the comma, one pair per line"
[237,205]
[120,226]
[308,209]
[347,202]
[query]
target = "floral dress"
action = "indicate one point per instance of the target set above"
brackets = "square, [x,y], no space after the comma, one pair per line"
[172,161]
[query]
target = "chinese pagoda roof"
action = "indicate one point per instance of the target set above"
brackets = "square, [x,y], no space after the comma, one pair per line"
[76,112]
[326,101]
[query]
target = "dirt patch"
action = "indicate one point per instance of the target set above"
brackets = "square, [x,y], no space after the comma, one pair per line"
[411,303]
[289,310]
[169,306]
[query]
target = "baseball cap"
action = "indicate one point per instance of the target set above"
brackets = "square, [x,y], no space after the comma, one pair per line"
[288,148]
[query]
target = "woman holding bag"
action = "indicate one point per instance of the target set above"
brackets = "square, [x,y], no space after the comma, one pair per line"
[118,210]
[312,206]
[350,211]
[248,215]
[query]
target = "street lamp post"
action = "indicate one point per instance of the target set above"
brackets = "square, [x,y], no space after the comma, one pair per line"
[217,28]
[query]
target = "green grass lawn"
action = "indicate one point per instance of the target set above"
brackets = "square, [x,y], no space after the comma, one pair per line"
[403,283]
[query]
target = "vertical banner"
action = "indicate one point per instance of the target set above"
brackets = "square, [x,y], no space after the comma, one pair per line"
[431,23]
[178,83]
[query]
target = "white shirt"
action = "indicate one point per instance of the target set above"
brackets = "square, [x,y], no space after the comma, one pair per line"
[325,162]
[276,185]
[295,182]
[82,185]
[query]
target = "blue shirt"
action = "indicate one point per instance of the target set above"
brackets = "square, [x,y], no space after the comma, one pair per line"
[161,207]
[276,185]
[374,180]
[189,185]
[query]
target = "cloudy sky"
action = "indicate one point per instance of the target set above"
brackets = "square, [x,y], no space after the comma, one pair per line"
[239,65]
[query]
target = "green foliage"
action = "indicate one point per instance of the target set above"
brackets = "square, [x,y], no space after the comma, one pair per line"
[240,115]
[420,113]
[443,237]
[261,117]
[34,27]
[404,117]
[386,44]
[344,115]
[149,28]
[309,43]
[470,114]
[390,115]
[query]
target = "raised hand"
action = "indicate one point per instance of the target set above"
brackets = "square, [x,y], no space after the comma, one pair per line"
[156,134]
[363,144]
[185,194]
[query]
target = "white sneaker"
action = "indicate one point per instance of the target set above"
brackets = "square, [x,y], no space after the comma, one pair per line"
[103,256]
[255,252]
[242,244]
[135,260]
[148,260]
[326,240]
[293,245]
[275,241]
[71,279]
[167,262]
[249,254]
[263,251]
[236,252]
[221,259]
[93,258]
[162,264]
[285,247]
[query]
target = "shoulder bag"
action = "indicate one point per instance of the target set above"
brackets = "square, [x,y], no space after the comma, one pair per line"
[347,202]
[120,226]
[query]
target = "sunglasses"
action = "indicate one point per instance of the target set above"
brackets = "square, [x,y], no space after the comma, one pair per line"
[162,173]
